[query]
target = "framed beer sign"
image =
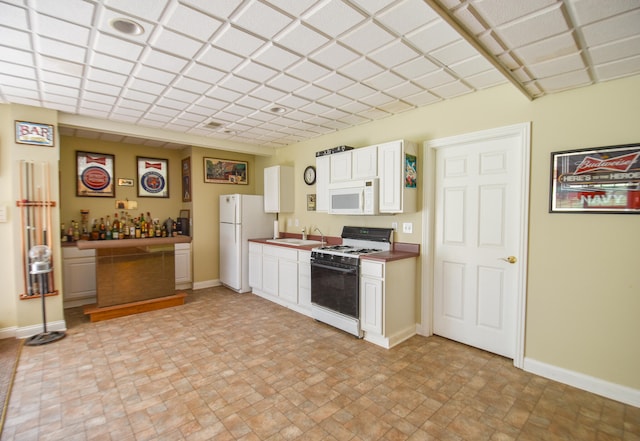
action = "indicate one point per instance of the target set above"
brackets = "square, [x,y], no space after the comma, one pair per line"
[153,177]
[596,180]
[95,173]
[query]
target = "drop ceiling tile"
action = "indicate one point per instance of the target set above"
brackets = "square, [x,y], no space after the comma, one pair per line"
[435,79]
[451,90]
[301,39]
[454,53]
[117,47]
[154,75]
[61,66]
[220,8]
[557,66]
[402,90]
[255,72]
[372,6]
[354,119]
[15,38]
[308,70]
[384,81]
[56,78]
[253,103]
[357,91]
[99,98]
[317,109]
[238,84]
[14,16]
[471,66]
[498,12]
[146,88]
[407,16]
[21,95]
[617,50]
[396,106]
[105,76]
[492,43]
[611,29]
[375,114]
[62,30]
[262,116]
[160,60]
[377,99]
[293,102]
[556,46]
[238,110]
[96,106]
[422,98]
[334,81]
[176,44]
[171,103]
[16,56]
[617,69]
[224,94]
[113,64]
[212,103]
[467,15]
[59,106]
[188,89]
[565,81]
[150,9]
[486,79]
[361,69]
[285,83]
[268,93]
[104,88]
[354,106]
[367,37]
[192,22]
[237,41]
[64,51]
[275,57]
[333,18]
[589,11]
[261,19]
[334,56]
[133,105]
[334,100]
[312,92]
[535,27]
[415,68]
[64,91]
[433,36]
[394,54]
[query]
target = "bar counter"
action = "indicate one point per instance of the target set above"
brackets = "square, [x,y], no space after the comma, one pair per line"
[133,275]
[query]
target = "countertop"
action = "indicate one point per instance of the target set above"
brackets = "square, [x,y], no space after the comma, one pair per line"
[400,250]
[124,243]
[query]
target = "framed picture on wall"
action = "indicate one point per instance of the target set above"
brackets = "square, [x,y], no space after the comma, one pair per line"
[34,133]
[186,180]
[95,173]
[153,177]
[596,180]
[225,171]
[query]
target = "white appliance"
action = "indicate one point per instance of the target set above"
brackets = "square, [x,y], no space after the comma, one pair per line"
[242,217]
[354,197]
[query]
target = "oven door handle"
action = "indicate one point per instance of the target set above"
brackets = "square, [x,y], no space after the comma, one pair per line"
[334,268]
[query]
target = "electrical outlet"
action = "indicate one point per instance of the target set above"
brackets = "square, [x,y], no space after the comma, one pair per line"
[297,222]
[394,225]
[407,227]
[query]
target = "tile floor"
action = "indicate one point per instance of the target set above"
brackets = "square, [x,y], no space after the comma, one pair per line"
[236,367]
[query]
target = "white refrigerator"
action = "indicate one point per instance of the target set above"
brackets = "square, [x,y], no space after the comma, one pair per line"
[242,217]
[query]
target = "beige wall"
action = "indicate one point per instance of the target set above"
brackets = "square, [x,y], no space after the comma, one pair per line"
[584,284]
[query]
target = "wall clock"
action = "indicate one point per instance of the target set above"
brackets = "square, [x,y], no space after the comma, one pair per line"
[310,175]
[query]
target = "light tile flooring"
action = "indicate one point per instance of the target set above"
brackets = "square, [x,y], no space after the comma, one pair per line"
[227,366]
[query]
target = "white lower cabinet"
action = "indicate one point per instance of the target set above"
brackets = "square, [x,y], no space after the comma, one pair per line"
[281,275]
[183,266]
[78,276]
[387,301]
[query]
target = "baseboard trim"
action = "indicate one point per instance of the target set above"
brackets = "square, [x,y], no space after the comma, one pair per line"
[9,332]
[588,383]
[28,331]
[206,284]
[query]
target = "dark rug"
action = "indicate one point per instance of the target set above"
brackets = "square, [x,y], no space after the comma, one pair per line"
[10,349]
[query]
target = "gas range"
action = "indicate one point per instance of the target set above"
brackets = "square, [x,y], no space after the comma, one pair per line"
[356,242]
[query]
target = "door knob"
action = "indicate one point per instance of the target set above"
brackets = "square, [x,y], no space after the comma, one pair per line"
[510,259]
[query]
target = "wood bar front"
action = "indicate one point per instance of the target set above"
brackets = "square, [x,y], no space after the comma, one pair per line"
[133,275]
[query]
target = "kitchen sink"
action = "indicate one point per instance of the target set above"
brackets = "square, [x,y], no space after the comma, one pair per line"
[295,242]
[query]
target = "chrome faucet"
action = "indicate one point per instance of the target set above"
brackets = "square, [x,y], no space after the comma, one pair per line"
[321,235]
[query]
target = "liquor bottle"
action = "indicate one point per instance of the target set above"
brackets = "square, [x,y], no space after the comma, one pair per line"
[143,226]
[158,230]
[63,233]
[115,229]
[132,229]
[102,230]
[76,232]
[95,234]
[138,229]
[108,231]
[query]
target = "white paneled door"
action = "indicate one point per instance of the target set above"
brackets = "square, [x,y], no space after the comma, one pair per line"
[479,241]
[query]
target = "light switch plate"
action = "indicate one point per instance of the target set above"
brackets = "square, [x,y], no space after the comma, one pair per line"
[407,227]
[3,213]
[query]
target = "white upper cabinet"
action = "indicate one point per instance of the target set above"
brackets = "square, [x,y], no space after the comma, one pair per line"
[323,167]
[365,162]
[397,173]
[278,189]
[340,166]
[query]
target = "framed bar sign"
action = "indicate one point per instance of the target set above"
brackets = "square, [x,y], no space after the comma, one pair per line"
[153,177]
[34,133]
[95,173]
[596,180]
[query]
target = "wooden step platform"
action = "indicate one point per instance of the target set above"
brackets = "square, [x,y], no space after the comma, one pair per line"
[108,312]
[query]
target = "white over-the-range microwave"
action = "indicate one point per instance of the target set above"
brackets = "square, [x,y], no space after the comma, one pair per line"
[354,197]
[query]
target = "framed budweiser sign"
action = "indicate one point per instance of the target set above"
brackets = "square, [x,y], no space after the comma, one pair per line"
[596,180]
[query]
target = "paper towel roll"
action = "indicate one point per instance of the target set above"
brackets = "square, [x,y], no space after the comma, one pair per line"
[276,231]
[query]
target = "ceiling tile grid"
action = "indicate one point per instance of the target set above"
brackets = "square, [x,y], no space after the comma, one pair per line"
[328,64]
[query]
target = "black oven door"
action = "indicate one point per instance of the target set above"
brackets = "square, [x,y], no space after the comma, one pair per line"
[336,288]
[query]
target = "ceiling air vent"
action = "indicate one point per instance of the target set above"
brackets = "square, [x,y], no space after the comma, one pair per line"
[213,125]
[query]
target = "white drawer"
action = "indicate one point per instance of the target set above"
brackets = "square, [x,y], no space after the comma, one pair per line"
[373,269]
[74,253]
[255,247]
[280,252]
